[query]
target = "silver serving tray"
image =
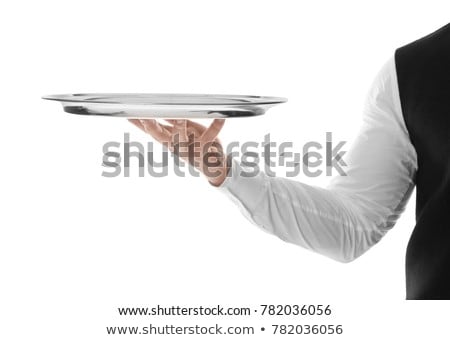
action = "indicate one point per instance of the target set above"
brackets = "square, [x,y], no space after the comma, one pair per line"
[165,105]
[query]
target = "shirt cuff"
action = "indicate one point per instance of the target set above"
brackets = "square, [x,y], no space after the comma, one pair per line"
[244,186]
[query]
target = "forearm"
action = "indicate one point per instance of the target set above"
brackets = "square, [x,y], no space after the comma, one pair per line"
[322,220]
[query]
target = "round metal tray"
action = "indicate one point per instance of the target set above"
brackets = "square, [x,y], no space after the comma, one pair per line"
[165,105]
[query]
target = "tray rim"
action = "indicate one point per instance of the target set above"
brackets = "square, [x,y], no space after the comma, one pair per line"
[69,97]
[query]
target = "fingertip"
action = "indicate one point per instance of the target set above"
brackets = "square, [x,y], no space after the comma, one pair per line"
[218,122]
[137,123]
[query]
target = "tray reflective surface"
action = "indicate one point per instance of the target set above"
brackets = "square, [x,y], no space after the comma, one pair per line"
[165,105]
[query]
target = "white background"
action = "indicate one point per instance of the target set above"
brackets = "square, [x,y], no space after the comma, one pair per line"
[75,245]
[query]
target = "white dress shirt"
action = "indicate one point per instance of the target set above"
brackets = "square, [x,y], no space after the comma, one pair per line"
[353,212]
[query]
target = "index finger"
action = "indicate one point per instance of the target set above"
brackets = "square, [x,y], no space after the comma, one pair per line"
[213,130]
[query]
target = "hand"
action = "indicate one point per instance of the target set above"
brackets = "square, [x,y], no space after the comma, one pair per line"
[193,142]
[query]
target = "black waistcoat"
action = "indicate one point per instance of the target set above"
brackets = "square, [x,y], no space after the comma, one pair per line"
[423,71]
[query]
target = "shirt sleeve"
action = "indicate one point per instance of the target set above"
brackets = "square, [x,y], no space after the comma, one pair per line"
[354,211]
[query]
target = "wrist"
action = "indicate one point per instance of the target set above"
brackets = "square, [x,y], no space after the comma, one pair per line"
[221,173]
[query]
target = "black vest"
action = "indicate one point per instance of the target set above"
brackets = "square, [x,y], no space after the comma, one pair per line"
[423,71]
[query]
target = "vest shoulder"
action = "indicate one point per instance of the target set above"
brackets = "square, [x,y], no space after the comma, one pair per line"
[438,40]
